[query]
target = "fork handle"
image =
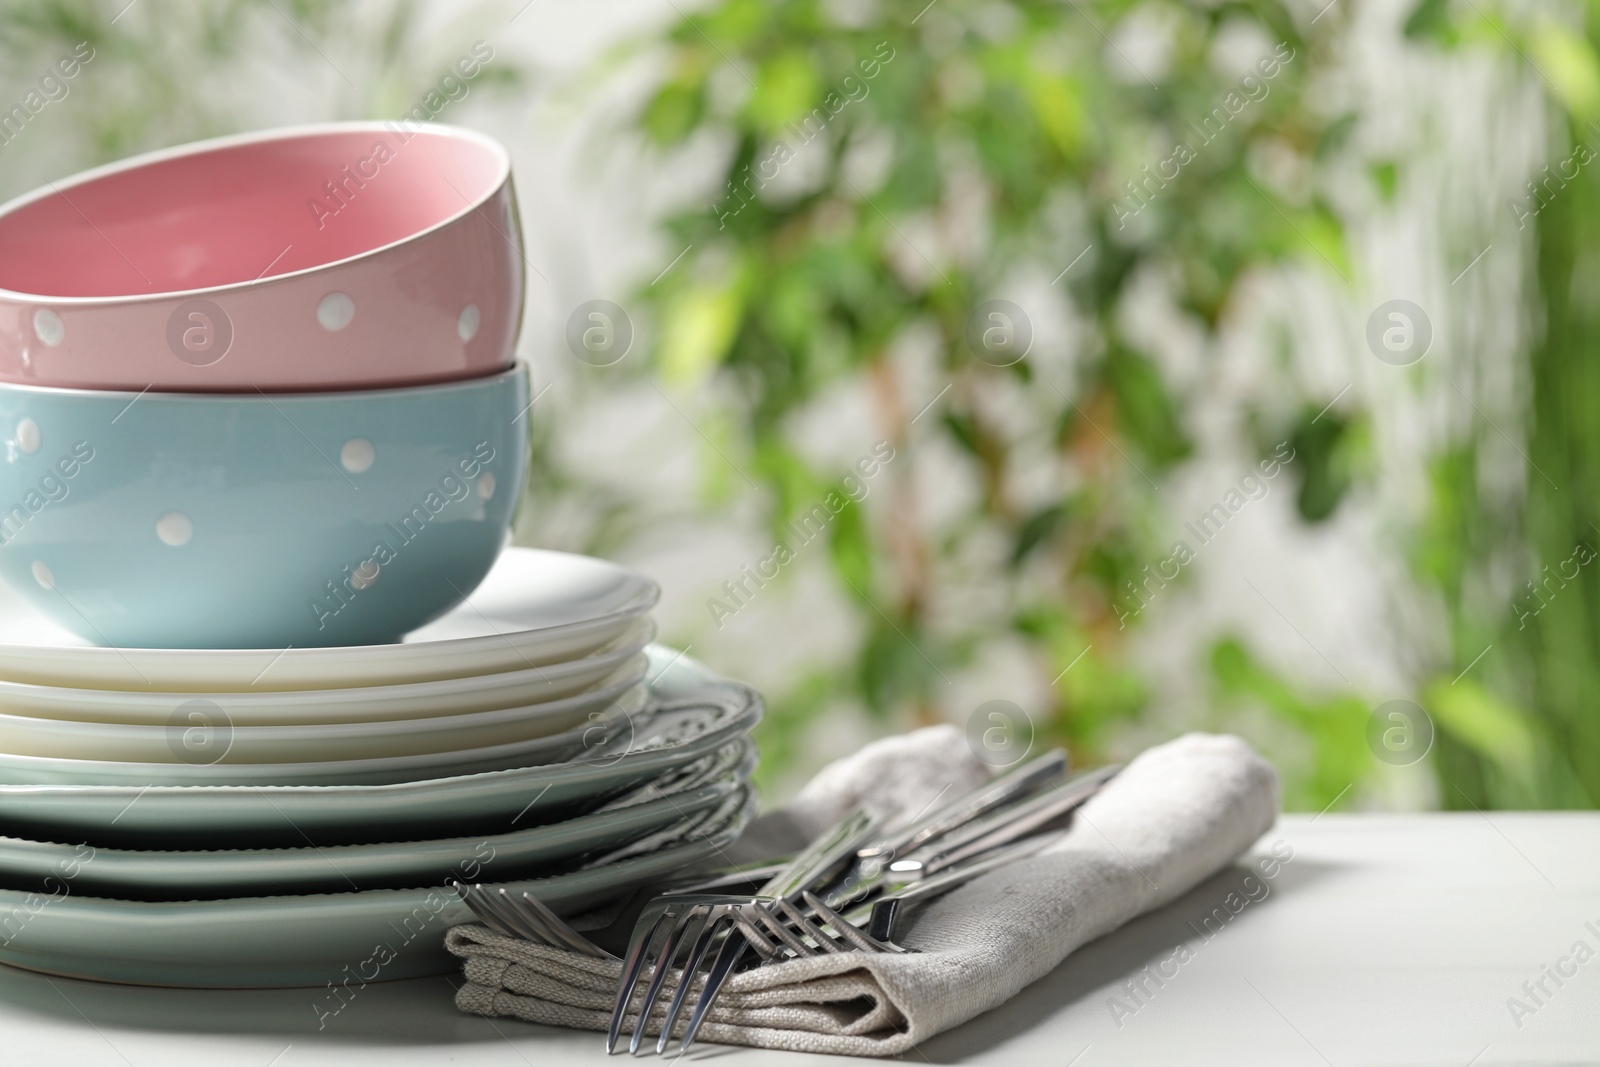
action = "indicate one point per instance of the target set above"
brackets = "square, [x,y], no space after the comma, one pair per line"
[1010,786]
[1012,823]
[880,915]
[818,862]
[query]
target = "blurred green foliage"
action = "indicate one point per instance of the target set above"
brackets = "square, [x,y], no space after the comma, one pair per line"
[1516,705]
[946,152]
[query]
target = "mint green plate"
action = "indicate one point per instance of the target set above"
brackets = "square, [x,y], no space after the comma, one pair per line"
[333,939]
[527,852]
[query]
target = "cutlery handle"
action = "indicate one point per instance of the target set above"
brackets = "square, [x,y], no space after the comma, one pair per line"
[880,915]
[821,860]
[1010,786]
[1011,823]
[870,872]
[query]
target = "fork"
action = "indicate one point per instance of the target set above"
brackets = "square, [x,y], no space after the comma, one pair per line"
[517,913]
[962,852]
[527,918]
[879,917]
[657,943]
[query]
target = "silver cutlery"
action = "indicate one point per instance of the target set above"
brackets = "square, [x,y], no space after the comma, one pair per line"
[680,917]
[843,893]
[941,864]
[1001,827]
[810,935]
[1016,783]
[514,912]
[874,860]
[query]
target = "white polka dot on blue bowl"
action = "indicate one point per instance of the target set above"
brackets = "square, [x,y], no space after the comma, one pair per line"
[357,455]
[365,575]
[29,438]
[175,529]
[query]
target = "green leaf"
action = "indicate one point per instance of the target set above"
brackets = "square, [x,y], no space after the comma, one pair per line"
[1328,452]
[1569,63]
[1429,19]
[1148,415]
[1036,529]
[786,88]
[1058,108]
[850,547]
[1386,176]
[698,330]
[1485,724]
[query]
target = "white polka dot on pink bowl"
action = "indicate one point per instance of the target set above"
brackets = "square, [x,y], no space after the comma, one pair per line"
[345,256]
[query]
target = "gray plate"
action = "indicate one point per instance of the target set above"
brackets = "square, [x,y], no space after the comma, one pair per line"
[690,714]
[335,939]
[44,866]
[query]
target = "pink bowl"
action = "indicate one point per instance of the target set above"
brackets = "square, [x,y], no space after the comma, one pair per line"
[342,256]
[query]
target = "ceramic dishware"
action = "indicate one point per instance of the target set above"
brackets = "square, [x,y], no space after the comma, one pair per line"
[309,940]
[181,521]
[203,732]
[343,256]
[201,735]
[536,608]
[617,662]
[689,716]
[206,875]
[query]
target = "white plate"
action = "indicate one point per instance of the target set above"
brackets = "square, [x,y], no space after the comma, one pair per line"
[264,942]
[690,714]
[534,608]
[200,732]
[487,692]
[24,770]
[527,852]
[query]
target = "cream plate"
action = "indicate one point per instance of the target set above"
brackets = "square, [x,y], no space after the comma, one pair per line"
[203,769]
[523,853]
[414,700]
[345,939]
[534,608]
[690,714]
[201,732]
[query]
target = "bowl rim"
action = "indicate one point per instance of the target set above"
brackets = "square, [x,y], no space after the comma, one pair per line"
[518,368]
[497,150]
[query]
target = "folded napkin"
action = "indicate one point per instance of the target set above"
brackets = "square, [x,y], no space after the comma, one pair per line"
[1174,816]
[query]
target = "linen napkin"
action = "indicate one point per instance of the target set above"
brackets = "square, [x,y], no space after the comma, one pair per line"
[1175,815]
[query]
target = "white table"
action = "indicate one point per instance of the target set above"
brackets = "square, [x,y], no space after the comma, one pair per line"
[1385,940]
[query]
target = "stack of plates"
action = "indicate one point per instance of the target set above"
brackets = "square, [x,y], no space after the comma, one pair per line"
[255,818]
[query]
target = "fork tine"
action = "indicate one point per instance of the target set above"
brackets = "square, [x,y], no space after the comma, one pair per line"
[772,923]
[507,920]
[695,918]
[554,924]
[732,950]
[697,955]
[844,927]
[525,925]
[643,937]
[809,927]
[484,915]
[764,946]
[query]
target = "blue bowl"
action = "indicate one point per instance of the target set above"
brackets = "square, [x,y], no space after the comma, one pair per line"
[164,520]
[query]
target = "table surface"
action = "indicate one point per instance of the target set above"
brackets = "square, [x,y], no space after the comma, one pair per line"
[1386,939]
